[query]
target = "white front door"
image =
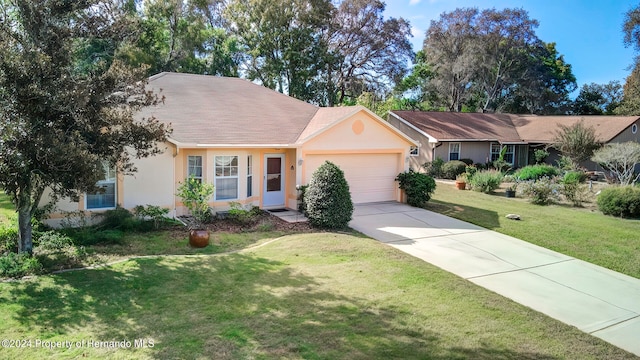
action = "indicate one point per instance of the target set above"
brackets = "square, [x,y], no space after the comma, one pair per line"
[273,190]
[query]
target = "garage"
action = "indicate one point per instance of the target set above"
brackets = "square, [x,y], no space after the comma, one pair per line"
[370,176]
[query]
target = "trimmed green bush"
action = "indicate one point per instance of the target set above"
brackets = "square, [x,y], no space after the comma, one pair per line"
[417,186]
[486,181]
[535,172]
[452,169]
[621,201]
[8,238]
[328,199]
[18,265]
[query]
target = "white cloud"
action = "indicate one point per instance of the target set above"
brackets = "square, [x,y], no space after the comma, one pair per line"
[414,2]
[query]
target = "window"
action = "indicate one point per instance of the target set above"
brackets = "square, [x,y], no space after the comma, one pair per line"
[105,197]
[226,177]
[249,176]
[497,148]
[634,128]
[413,151]
[454,151]
[194,167]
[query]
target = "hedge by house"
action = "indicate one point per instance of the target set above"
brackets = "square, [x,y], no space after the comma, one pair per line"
[327,198]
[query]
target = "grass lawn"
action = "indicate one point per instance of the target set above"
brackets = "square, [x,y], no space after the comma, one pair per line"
[312,296]
[7,212]
[585,234]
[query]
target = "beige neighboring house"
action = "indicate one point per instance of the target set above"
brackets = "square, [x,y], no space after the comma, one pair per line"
[480,137]
[255,145]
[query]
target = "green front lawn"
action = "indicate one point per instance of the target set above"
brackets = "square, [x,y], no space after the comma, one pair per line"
[7,211]
[312,296]
[585,234]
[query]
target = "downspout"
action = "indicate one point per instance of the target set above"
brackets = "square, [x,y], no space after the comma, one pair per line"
[173,180]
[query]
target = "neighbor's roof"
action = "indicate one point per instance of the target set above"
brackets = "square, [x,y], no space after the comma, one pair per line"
[505,128]
[450,126]
[210,110]
[543,129]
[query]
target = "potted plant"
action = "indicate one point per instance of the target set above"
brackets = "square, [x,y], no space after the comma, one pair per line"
[461,181]
[195,195]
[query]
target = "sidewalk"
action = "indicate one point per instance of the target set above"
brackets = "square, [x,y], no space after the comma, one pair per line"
[598,301]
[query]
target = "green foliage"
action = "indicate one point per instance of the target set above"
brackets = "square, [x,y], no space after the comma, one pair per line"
[302,205]
[53,241]
[155,214]
[18,265]
[540,155]
[91,236]
[621,201]
[118,218]
[543,191]
[451,169]
[328,199]
[417,186]
[486,181]
[434,168]
[572,187]
[195,195]
[241,215]
[535,172]
[501,164]
[8,238]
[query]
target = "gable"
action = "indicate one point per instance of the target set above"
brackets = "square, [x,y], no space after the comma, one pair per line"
[360,130]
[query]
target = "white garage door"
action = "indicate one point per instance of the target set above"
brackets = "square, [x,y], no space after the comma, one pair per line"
[370,176]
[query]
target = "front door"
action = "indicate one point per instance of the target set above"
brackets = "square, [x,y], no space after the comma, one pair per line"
[273,191]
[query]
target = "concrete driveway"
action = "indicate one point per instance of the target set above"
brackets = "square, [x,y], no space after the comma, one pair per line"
[596,300]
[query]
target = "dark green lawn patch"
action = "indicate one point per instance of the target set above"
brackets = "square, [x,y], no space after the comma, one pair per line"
[312,296]
[582,233]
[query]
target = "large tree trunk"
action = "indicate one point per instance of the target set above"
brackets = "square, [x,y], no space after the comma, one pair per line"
[25,241]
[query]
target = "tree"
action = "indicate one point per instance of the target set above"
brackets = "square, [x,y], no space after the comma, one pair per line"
[450,46]
[185,36]
[597,99]
[59,121]
[282,42]
[368,52]
[577,142]
[620,159]
[630,104]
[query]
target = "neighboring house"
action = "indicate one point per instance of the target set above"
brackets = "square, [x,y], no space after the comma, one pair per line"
[255,145]
[480,137]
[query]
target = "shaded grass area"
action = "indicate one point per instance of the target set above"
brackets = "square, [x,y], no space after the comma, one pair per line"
[312,296]
[7,211]
[585,234]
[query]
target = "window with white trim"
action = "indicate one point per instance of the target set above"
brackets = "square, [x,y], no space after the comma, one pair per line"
[249,176]
[497,148]
[454,151]
[414,151]
[194,167]
[226,177]
[105,197]
[634,128]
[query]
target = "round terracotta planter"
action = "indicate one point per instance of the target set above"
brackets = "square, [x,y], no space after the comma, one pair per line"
[461,185]
[198,238]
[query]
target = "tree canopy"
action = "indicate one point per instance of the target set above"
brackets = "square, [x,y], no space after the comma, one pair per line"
[61,115]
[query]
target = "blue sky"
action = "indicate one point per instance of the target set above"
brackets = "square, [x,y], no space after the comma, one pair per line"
[587,32]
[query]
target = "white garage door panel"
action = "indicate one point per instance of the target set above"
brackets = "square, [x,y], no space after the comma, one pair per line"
[370,176]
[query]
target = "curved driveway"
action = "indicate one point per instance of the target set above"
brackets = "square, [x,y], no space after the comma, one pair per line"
[596,300]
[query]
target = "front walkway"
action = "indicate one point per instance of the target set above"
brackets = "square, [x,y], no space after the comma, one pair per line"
[596,300]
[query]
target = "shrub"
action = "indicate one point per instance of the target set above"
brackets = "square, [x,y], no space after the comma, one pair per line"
[417,186]
[118,218]
[486,181]
[467,161]
[574,177]
[540,155]
[8,239]
[18,265]
[434,168]
[241,215]
[302,205]
[53,241]
[452,169]
[155,214]
[621,201]
[535,172]
[542,191]
[328,199]
[195,195]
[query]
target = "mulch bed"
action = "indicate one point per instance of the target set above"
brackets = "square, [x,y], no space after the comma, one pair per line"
[265,221]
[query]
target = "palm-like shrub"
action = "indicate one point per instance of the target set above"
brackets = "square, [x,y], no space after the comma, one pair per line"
[328,200]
